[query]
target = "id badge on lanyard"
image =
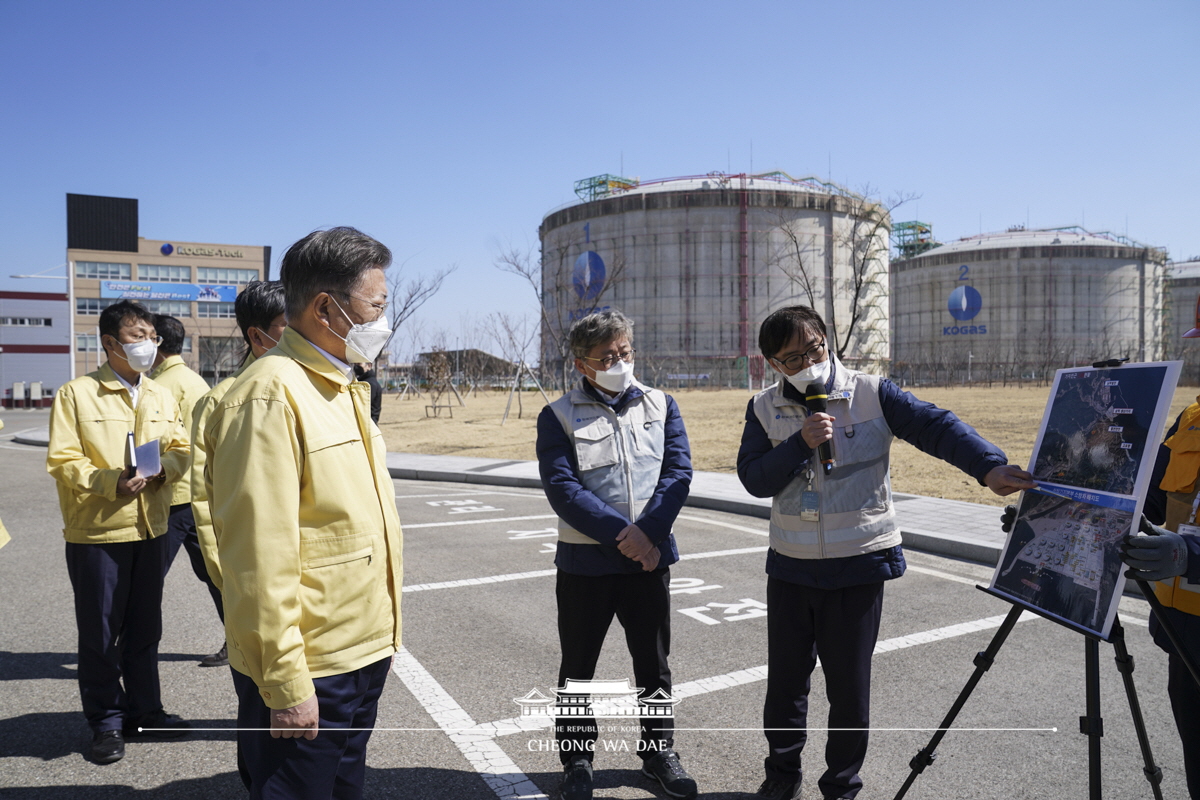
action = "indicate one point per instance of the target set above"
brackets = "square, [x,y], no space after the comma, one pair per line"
[810,501]
[1191,529]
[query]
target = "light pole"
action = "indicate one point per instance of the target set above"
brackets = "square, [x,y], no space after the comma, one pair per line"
[969,357]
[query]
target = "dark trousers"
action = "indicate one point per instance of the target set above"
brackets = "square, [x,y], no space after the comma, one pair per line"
[333,765]
[839,626]
[586,606]
[181,530]
[118,611]
[1185,704]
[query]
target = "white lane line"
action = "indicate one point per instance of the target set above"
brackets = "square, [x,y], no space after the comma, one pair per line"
[498,771]
[545,573]
[475,521]
[442,494]
[1128,620]
[742,677]
[515,576]
[720,524]
[718,553]
[947,576]
[470,494]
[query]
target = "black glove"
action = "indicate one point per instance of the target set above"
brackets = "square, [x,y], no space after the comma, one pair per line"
[1159,556]
[1008,518]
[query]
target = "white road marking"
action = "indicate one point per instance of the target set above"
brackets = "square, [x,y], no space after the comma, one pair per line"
[498,771]
[718,553]
[475,521]
[442,494]
[515,576]
[545,573]
[720,524]
[946,575]
[742,677]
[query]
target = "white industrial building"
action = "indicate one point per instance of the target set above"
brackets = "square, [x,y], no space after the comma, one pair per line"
[697,263]
[1023,303]
[1182,297]
[35,345]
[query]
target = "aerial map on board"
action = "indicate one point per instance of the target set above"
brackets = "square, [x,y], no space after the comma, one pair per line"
[1093,457]
[1063,557]
[1095,433]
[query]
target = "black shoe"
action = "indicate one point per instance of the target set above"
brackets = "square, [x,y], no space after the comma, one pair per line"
[107,747]
[217,659]
[779,790]
[577,781]
[158,725]
[666,769]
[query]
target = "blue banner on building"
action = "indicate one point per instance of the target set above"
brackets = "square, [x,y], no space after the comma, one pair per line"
[139,290]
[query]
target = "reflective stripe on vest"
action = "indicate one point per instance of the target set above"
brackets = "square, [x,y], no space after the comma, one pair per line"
[1178,593]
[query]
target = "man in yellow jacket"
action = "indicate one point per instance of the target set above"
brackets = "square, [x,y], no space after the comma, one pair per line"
[114,521]
[1170,556]
[187,387]
[308,538]
[260,314]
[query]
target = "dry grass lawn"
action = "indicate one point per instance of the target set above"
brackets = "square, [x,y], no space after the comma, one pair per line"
[1007,416]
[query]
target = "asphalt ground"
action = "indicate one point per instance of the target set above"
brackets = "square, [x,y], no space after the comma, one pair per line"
[480,631]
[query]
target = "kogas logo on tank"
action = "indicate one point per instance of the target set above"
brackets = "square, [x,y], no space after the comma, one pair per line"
[964,304]
[588,275]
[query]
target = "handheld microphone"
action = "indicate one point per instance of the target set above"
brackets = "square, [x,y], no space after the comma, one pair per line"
[815,400]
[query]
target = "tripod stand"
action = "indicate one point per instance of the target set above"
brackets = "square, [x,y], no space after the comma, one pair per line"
[1090,725]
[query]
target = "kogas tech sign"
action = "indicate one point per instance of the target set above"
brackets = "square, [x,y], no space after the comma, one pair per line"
[964,304]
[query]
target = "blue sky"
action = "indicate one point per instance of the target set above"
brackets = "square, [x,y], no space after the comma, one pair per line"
[447,130]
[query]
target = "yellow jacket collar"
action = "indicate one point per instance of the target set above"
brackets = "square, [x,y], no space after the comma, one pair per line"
[108,379]
[296,347]
[168,362]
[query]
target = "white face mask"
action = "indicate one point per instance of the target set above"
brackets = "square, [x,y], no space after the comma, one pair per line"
[364,343]
[617,378]
[815,373]
[139,355]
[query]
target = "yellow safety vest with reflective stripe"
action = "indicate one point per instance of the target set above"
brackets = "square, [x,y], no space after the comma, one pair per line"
[1179,482]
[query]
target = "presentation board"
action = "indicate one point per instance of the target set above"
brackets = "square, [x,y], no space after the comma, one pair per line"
[1092,461]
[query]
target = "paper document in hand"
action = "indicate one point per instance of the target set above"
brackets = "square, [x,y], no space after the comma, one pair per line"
[146,459]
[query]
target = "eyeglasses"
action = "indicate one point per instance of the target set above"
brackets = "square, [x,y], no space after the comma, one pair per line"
[608,361]
[156,339]
[796,360]
[380,307]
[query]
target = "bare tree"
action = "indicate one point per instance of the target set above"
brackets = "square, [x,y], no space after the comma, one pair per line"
[861,288]
[220,356]
[551,277]
[406,296]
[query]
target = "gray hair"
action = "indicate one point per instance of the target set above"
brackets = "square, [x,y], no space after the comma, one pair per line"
[599,328]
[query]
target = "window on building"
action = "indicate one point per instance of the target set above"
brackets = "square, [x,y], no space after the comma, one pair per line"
[216,311]
[102,270]
[87,342]
[225,275]
[187,344]
[92,305]
[172,308]
[26,322]
[161,273]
